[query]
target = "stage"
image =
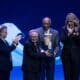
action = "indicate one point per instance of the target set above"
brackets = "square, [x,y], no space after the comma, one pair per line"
[16,73]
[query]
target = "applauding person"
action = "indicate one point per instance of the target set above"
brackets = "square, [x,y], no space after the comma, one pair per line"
[5,53]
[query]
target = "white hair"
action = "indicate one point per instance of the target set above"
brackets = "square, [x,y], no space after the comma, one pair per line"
[33,30]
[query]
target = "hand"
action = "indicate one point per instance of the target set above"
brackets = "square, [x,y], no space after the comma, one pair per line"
[54,53]
[70,30]
[48,54]
[15,41]
[76,33]
[19,37]
[42,51]
[76,29]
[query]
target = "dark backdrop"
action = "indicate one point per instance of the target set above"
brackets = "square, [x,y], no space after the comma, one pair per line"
[27,14]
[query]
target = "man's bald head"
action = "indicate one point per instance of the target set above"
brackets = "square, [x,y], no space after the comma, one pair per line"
[46,19]
[46,22]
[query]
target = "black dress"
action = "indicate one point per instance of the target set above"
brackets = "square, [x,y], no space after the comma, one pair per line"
[70,55]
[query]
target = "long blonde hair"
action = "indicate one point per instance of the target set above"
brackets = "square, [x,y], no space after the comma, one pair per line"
[72,17]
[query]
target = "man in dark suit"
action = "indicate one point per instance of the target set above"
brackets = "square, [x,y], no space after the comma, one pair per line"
[50,38]
[5,54]
[32,56]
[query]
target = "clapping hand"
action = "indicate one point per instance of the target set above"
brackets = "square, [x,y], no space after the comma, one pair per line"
[17,39]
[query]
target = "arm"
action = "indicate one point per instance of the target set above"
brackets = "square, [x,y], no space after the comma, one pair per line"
[65,37]
[57,46]
[28,51]
[12,47]
[76,38]
[4,49]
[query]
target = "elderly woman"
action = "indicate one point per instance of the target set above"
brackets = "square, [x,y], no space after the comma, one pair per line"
[71,49]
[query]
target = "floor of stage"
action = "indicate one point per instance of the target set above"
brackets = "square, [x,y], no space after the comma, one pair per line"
[16,73]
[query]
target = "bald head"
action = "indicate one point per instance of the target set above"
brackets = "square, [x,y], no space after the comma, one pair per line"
[46,19]
[46,22]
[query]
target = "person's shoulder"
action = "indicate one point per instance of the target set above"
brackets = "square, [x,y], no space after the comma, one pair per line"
[39,28]
[1,41]
[27,43]
[64,28]
[54,31]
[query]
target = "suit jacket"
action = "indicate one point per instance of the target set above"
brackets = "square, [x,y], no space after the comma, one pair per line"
[71,48]
[55,38]
[5,56]
[32,57]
